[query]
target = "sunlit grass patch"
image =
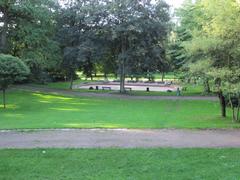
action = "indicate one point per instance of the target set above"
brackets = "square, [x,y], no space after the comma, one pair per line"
[35,110]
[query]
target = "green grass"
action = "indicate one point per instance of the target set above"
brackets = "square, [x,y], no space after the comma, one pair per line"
[61,85]
[167,76]
[36,110]
[120,164]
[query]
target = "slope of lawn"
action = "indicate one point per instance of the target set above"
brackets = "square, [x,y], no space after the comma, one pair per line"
[36,110]
[120,164]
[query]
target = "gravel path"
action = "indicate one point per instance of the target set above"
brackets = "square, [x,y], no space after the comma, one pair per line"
[122,138]
[109,95]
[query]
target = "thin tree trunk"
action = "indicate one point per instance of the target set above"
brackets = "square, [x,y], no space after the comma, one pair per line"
[206,86]
[71,81]
[222,103]
[105,76]
[232,107]
[122,78]
[137,79]
[233,114]
[238,110]
[163,74]
[4,98]
[122,68]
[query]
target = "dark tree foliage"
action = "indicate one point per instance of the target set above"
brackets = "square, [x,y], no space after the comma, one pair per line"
[123,36]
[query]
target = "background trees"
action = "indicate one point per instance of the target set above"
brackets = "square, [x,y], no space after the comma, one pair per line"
[126,36]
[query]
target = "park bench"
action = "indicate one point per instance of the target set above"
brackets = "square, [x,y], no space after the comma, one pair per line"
[128,88]
[168,83]
[106,88]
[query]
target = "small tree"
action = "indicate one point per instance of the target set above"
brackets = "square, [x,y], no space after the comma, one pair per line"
[12,69]
[200,70]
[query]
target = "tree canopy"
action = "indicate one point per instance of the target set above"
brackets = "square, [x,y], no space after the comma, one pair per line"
[211,47]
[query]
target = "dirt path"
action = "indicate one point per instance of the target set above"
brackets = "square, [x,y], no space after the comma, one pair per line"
[122,138]
[109,95]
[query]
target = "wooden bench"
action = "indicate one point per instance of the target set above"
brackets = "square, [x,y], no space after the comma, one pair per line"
[128,88]
[106,88]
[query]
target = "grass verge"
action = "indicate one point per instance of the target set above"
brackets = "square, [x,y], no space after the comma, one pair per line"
[120,164]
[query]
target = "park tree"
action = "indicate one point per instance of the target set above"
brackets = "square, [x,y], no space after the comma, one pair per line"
[138,27]
[215,37]
[130,34]
[80,30]
[200,70]
[12,69]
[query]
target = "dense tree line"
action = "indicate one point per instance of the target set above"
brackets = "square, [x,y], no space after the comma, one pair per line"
[124,37]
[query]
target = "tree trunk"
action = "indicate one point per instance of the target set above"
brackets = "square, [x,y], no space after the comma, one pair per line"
[222,103]
[3,41]
[163,74]
[4,98]
[105,76]
[122,66]
[122,78]
[71,81]
[206,86]
[232,107]
[238,111]
[137,79]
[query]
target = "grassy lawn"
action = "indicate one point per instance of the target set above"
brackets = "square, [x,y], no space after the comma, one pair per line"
[120,164]
[61,85]
[36,110]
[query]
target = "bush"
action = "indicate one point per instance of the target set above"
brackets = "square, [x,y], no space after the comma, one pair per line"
[12,70]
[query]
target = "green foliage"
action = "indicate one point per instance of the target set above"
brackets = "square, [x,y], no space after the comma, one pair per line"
[28,30]
[214,28]
[12,69]
[122,37]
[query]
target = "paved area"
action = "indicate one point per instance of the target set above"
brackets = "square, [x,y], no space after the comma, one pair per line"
[110,95]
[122,138]
[134,86]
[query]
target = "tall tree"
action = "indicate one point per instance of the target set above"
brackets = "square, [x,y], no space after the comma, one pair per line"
[138,27]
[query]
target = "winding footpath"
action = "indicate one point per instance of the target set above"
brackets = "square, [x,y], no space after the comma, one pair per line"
[120,138]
